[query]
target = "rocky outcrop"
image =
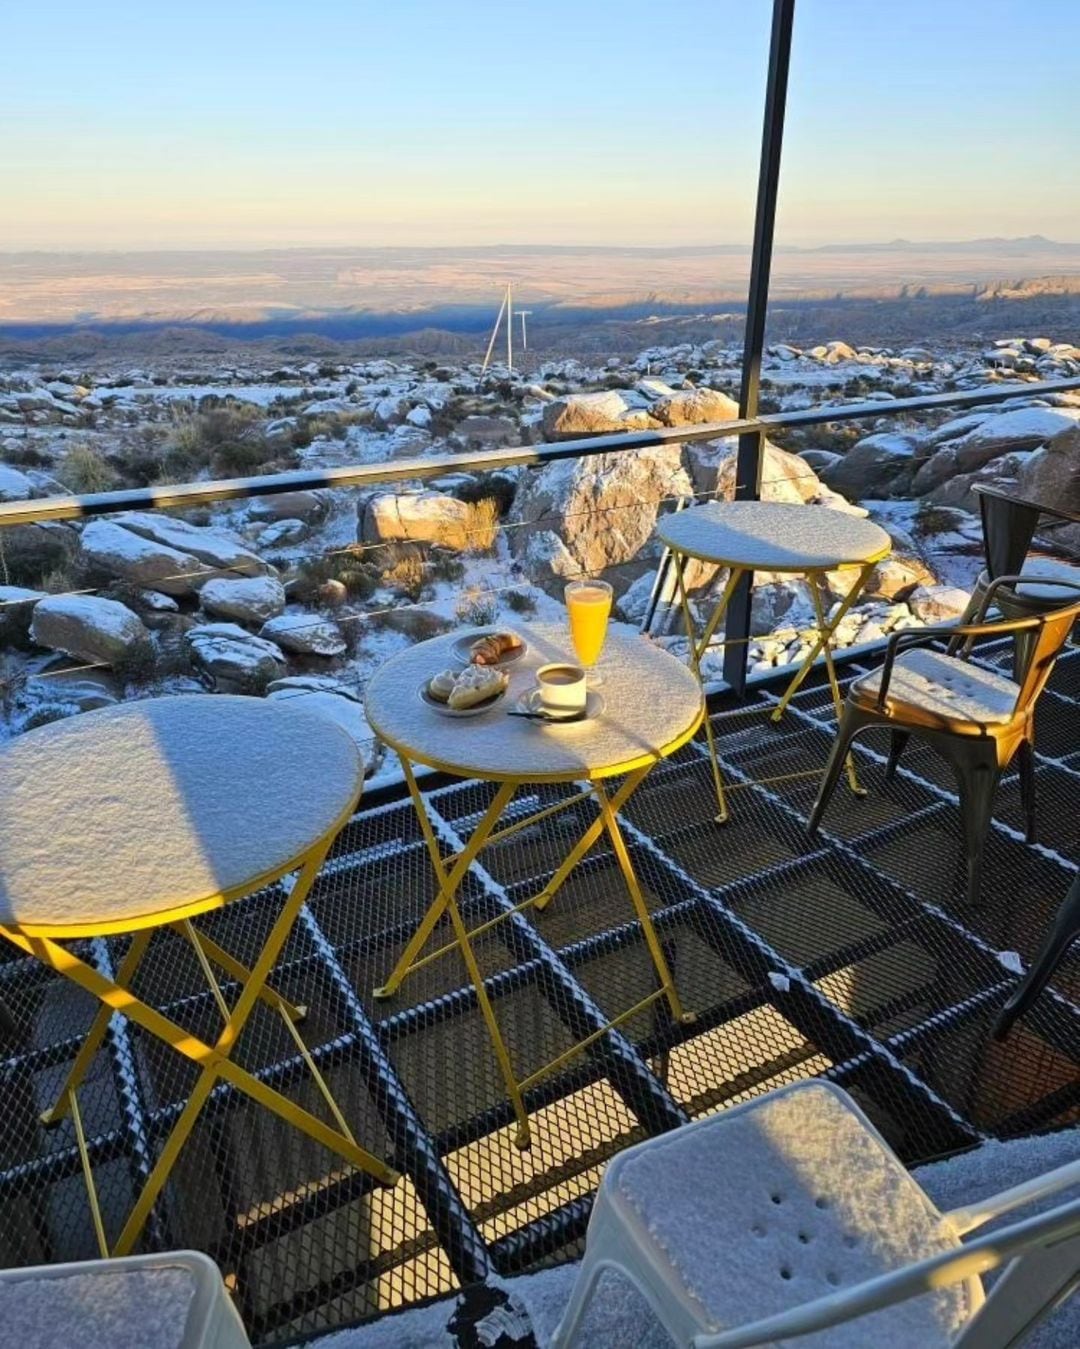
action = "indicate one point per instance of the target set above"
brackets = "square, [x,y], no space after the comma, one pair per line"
[694,407]
[142,561]
[484,433]
[875,465]
[86,627]
[311,507]
[1052,474]
[247,599]
[592,414]
[14,486]
[305,634]
[234,661]
[217,550]
[416,517]
[596,514]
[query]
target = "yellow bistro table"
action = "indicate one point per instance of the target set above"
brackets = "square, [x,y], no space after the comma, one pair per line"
[652,705]
[143,816]
[750,536]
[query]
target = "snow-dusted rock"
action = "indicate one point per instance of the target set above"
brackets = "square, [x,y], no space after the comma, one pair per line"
[283,533]
[897,576]
[419,517]
[590,414]
[786,601]
[390,412]
[692,407]
[307,506]
[306,634]
[14,486]
[143,562]
[216,549]
[1052,474]
[1019,429]
[484,433]
[784,476]
[232,658]
[16,610]
[601,510]
[87,627]
[872,466]
[247,599]
[938,604]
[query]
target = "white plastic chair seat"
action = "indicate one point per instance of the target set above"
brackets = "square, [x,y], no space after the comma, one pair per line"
[949,689]
[778,1202]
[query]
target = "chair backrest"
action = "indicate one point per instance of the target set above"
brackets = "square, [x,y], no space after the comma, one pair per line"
[1050,636]
[1043,1258]
[1008,525]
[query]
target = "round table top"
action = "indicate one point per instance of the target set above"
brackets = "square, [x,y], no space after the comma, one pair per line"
[652,705]
[774,536]
[156,810]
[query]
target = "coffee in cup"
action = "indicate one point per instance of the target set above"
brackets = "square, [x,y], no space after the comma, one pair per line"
[563,689]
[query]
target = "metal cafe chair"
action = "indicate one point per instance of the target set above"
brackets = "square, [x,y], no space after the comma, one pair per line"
[1063,931]
[977,719]
[1008,525]
[790,1216]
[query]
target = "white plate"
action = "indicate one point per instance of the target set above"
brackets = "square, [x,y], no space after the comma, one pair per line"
[462,648]
[445,710]
[530,702]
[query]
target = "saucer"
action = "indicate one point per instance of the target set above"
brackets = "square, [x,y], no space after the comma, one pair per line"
[530,702]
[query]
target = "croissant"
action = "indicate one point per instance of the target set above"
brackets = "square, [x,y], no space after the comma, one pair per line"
[494,647]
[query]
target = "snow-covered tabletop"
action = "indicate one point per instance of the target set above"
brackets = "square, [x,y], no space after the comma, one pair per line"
[773,536]
[652,704]
[111,819]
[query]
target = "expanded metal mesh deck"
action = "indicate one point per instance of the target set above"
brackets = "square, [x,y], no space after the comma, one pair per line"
[855,957]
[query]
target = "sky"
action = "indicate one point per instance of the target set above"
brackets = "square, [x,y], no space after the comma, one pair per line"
[447,122]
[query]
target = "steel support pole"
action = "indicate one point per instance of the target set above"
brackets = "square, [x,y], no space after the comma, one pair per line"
[751,444]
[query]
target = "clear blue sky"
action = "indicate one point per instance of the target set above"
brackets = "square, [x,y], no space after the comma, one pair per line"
[307,122]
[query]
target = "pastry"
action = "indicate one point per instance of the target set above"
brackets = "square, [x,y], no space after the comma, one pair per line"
[476,684]
[442,685]
[493,648]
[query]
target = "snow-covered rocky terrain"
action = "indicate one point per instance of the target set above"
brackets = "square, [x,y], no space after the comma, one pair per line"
[303,594]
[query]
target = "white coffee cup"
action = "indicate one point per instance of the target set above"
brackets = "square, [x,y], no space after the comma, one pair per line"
[562,688]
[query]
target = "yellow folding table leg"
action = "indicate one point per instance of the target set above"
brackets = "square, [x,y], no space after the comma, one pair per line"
[584,843]
[652,941]
[697,650]
[816,587]
[90,1046]
[448,881]
[236,970]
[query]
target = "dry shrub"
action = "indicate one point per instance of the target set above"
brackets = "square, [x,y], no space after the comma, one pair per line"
[482,525]
[405,570]
[84,471]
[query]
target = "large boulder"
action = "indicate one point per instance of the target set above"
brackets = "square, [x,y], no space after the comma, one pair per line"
[14,486]
[591,414]
[416,517]
[232,659]
[305,634]
[784,477]
[594,514]
[873,465]
[695,407]
[247,599]
[87,627]
[307,506]
[143,562]
[218,551]
[938,604]
[484,433]
[1052,474]
[1018,429]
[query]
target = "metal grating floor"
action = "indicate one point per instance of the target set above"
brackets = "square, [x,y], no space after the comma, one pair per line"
[856,958]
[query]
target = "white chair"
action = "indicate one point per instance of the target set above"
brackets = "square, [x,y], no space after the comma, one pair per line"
[171,1301]
[789,1216]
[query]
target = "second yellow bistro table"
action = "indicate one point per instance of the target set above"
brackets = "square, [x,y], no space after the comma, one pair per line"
[750,536]
[144,816]
[652,705]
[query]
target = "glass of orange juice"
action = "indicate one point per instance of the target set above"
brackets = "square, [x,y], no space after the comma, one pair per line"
[589,606]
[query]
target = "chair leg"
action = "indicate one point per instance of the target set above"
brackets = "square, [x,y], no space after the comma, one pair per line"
[1063,932]
[850,723]
[565,1334]
[897,743]
[977,774]
[1025,762]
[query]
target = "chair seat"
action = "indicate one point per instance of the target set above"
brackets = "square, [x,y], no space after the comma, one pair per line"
[782,1201]
[943,688]
[1035,595]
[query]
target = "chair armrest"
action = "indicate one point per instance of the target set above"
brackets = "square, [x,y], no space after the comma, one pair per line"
[1013,581]
[974,1215]
[913,637]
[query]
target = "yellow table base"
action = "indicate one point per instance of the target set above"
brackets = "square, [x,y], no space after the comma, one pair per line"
[450,875]
[214,1060]
[826,629]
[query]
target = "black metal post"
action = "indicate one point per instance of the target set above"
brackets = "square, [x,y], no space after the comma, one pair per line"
[751,444]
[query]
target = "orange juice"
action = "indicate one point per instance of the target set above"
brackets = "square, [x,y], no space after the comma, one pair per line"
[589,603]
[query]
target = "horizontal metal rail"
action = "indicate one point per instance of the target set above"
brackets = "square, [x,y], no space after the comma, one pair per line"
[530,456]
